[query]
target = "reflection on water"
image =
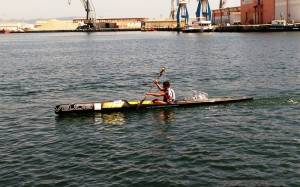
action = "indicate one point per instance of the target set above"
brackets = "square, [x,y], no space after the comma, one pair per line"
[162,116]
[165,116]
[73,122]
[117,118]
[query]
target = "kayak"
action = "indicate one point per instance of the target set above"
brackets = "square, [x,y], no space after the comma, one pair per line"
[124,105]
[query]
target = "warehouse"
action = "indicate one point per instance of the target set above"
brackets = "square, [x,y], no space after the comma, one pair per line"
[230,15]
[265,11]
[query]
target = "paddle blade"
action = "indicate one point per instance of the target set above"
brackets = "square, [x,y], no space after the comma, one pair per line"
[162,71]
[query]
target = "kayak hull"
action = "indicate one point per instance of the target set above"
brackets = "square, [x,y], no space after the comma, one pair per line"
[123,105]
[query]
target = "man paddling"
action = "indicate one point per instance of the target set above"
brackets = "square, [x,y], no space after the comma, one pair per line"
[167,93]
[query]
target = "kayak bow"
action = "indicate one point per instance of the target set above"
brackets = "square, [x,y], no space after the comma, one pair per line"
[123,105]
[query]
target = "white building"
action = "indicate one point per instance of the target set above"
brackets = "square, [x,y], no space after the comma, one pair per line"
[15,26]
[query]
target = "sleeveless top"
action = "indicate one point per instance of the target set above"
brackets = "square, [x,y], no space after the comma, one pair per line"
[169,96]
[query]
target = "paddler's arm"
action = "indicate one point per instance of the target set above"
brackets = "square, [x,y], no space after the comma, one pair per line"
[158,86]
[156,94]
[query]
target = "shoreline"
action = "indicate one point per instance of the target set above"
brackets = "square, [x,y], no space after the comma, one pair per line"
[231,28]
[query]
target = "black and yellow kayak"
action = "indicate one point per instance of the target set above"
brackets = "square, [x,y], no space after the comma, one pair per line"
[123,105]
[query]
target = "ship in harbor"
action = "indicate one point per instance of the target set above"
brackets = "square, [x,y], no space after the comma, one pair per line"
[198,26]
[203,19]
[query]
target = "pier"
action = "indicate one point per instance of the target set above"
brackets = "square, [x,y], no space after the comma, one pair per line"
[220,28]
[256,28]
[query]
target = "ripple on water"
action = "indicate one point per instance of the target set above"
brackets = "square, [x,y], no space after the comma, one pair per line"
[243,144]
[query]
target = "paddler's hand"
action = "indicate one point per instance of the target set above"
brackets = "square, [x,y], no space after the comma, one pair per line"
[155,81]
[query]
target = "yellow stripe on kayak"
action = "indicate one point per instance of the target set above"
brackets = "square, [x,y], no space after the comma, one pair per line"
[137,102]
[114,104]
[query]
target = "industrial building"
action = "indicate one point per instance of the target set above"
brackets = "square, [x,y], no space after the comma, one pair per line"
[120,23]
[161,23]
[230,15]
[55,24]
[265,11]
[10,26]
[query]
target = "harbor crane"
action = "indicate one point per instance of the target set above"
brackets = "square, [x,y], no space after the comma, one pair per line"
[173,10]
[182,12]
[222,4]
[90,12]
[203,11]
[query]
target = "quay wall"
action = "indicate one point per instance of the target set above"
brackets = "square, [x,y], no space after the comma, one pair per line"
[255,28]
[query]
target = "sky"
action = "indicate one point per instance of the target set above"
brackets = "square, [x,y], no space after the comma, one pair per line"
[48,9]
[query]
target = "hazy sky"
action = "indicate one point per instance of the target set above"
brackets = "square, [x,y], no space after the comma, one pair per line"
[31,9]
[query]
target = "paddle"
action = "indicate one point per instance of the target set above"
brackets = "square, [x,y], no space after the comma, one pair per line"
[160,74]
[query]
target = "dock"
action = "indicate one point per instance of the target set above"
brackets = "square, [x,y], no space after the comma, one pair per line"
[218,28]
[256,28]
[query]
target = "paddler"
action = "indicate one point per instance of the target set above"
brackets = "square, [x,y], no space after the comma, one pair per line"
[167,93]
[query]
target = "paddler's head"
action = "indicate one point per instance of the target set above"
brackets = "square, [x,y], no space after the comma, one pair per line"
[166,85]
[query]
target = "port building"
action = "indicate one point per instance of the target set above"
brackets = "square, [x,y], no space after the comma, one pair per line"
[55,25]
[10,26]
[230,15]
[101,23]
[265,11]
[168,23]
[120,23]
[130,23]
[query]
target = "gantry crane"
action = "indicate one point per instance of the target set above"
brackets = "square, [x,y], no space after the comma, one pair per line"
[182,12]
[203,11]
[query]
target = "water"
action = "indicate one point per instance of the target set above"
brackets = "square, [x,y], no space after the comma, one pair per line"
[244,144]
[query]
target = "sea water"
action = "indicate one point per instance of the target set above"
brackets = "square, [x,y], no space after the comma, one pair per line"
[253,143]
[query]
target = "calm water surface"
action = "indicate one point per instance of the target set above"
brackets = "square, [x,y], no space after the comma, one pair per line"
[244,144]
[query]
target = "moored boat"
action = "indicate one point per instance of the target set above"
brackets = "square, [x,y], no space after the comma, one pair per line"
[283,25]
[198,26]
[123,105]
